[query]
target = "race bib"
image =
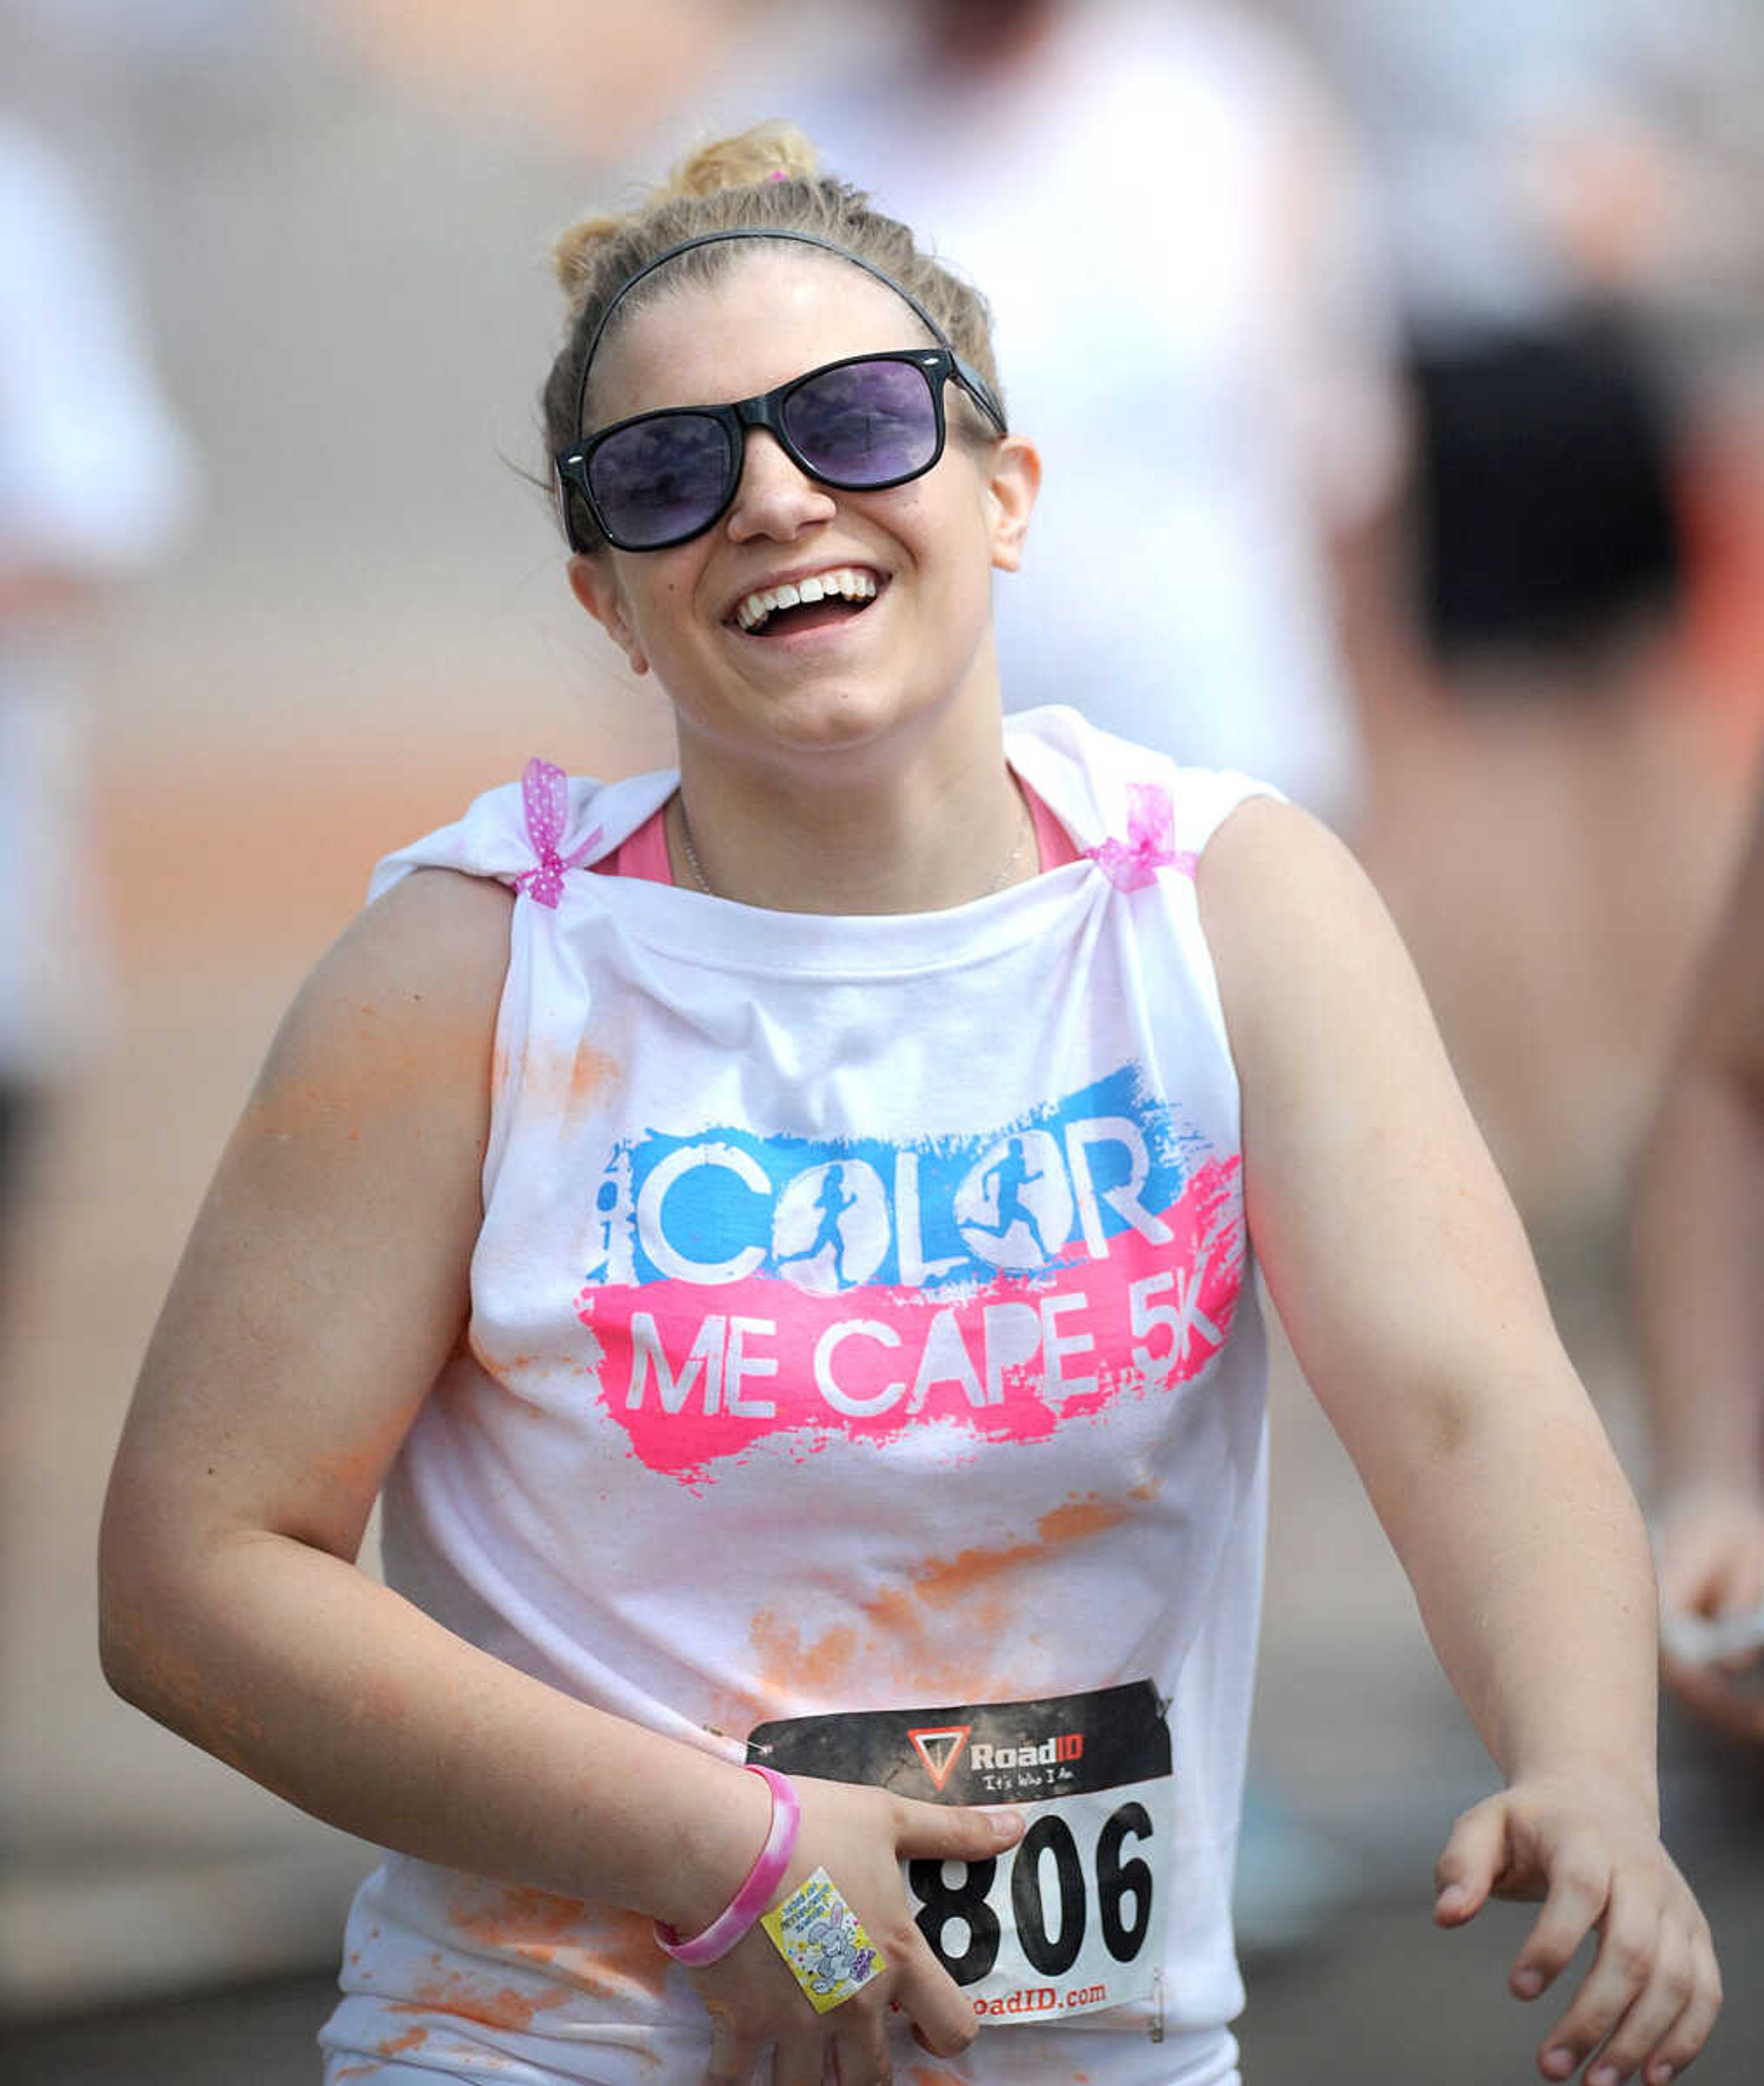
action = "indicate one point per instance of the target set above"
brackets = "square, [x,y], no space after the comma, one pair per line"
[1072,1918]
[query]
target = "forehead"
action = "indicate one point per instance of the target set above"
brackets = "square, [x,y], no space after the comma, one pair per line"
[765,318]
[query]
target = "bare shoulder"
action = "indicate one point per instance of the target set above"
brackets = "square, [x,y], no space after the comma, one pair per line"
[1286,907]
[1266,840]
[407,993]
[1327,1021]
[438,937]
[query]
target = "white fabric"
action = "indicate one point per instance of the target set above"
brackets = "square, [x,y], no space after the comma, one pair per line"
[95,480]
[720,1134]
[1191,326]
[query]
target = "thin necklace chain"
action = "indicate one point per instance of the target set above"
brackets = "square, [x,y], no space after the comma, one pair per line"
[692,862]
[1024,826]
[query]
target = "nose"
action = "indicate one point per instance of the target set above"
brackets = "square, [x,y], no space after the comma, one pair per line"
[774,498]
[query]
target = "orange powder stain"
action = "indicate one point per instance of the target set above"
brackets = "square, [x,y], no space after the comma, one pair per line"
[906,1631]
[943,1584]
[567,1083]
[515,1916]
[624,1959]
[592,1073]
[610,1954]
[823,1664]
[413,2038]
[356,2071]
[504,2008]
[231,1726]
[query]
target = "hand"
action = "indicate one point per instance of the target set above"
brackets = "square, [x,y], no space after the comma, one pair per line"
[1588,1846]
[1709,1552]
[860,1837]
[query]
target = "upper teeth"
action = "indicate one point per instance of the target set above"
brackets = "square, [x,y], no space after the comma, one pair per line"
[845,581]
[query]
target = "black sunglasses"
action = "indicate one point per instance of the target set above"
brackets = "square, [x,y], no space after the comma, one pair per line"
[860,425]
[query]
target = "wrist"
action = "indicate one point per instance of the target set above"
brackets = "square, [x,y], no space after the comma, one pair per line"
[708,1856]
[701,1946]
[1596,1774]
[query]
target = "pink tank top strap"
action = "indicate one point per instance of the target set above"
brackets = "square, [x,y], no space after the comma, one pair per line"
[644,853]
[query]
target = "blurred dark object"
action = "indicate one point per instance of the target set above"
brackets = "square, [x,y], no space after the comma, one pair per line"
[1544,495]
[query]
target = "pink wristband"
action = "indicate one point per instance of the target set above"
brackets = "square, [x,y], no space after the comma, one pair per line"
[739,1917]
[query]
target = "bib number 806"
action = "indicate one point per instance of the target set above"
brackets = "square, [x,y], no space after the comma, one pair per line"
[1123,1898]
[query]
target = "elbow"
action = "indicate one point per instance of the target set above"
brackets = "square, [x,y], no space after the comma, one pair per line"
[117,1660]
[124,1631]
[138,1633]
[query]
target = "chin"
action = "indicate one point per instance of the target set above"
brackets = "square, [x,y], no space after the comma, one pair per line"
[827,722]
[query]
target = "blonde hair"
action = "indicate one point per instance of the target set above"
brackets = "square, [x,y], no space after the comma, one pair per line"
[768,178]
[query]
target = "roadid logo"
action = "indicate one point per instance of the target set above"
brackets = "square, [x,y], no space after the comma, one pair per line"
[1065,1746]
[941,1747]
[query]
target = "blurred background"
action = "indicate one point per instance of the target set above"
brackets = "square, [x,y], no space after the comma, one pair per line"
[1418,352]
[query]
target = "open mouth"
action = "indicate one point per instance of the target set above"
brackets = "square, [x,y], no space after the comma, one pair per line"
[839,596]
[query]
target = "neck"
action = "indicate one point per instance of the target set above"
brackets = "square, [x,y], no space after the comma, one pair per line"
[839,835]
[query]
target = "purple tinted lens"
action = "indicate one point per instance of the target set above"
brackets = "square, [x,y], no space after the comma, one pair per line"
[660,479]
[864,423]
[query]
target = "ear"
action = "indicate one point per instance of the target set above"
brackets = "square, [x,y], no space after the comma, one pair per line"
[1013,480]
[596,586]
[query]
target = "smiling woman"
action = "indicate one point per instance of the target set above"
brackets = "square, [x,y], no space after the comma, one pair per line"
[825,626]
[823,1452]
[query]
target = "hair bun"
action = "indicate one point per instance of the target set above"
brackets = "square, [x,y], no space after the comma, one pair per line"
[761,154]
[769,151]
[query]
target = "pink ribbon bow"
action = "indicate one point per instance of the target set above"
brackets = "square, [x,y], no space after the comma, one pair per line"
[1130,864]
[544,798]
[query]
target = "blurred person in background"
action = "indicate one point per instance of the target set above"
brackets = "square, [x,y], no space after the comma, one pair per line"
[96,481]
[1216,368]
[1568,196]
[1698,1248]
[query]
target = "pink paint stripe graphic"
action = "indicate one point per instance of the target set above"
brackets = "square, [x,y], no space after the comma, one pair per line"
[695,1374]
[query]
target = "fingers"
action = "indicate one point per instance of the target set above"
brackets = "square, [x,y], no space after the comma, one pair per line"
[1690,2030]
[1580,1888]
[954,1832]
[1648,2002]
[805,2064]
[860,2054]
[943,2020]
[1466,1871]
[1651,1994]
[1648,2033]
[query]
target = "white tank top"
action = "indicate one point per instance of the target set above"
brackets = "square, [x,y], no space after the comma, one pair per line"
[864,1355]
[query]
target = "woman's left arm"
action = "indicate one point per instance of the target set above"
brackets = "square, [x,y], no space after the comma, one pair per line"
[1402,1274]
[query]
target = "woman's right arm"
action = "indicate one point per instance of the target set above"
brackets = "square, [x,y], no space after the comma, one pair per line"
[323,1288]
